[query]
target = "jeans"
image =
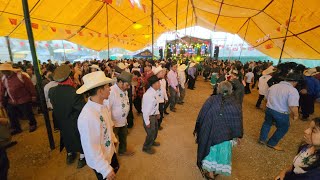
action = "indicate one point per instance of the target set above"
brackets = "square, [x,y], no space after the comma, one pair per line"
[122,133]
[282,123]
[114,164]
[247,88]
[173,98]
[191,82]
[261,97]
[152,132]
[182,94]
[26,109]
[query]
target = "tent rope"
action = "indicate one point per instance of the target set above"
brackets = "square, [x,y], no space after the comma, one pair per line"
[244,38]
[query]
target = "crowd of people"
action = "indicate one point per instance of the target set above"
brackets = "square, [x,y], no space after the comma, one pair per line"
[92,104]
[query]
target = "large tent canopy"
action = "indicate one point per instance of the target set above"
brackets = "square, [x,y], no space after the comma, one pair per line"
[262,23]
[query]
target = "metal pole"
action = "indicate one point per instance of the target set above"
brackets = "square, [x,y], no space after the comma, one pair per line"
[245,34]
[152,28]
[37,72]
[108,31]
[285,37]
[9,48]
[64,51]
[177,3]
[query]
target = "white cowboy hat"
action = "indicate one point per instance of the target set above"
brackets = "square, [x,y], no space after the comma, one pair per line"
[162,62]
[269,70]
[93,80]
[94,66]
[192,64]
[182,67]
[136,65]
[310,72]
[157,70]
[7,67]
[122,66]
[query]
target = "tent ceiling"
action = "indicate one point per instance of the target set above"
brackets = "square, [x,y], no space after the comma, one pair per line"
[85,22]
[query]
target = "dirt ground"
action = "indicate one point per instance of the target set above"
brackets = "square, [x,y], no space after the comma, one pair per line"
[32,158]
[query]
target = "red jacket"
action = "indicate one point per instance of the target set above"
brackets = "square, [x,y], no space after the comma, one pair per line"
[18,88]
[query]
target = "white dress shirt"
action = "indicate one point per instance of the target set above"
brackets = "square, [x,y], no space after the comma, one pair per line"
[162,91]
[119,106]
[46,89]
[150,105]
[97,137]
[182,78]
[249,76]
[263,84]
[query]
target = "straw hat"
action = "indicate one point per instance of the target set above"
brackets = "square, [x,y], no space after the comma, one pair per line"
[61,73]
[162,62]
[136,65]
[269,70]
[94,66]
[182,67]
[93,80]
[7,67]
[157,70]
[125,77]
[192,64]
[310,72]
[122,66]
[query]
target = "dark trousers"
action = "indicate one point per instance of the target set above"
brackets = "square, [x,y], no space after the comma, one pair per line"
[130,118]
[114,164]
[166,105]
[282,123]
[54,120]
[261,97]
[4,164]
[256,79]
[182,94]
[26,109]
[152,132]
[173,98]
[161,110]
[122,133]
[307,104]
[191,82]
[247,88]
[137,104]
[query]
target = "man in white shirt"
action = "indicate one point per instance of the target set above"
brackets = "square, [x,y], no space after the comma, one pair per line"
[248,79]
[263,84]
[151,114]
[182,82]
[46,89]
[96,127]
[119,107]
[162,97]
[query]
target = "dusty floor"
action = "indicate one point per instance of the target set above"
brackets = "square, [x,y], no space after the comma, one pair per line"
[31,158]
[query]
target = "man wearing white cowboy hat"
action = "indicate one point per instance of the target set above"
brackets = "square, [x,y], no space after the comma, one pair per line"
[309,93]
[94,68]
[119,107]
[263,84]
[182,81]
[96,127]
[17,93]
[163,97]
[136,67]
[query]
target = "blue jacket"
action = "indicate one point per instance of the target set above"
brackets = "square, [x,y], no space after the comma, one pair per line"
[313,85]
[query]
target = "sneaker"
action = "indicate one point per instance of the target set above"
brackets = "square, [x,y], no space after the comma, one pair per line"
[127,153]
[277,148]
[71,158]
[149,151]
[166,113]
[262,142]
[156,144]
[16,131]
[173,110]
[160,128]
[11,144]
[81,163]
[32,128]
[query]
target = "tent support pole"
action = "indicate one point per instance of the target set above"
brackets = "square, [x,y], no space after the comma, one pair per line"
[152,29]
[9,48]
[37,72]
[285,37]
[64,52]
[108,31]
[244,38]
[177,4]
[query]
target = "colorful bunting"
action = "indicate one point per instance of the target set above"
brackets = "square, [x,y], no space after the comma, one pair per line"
[68,31]
[107,1]
[53,29]
[268,46]
[13,21]
[34,25]
[144,7]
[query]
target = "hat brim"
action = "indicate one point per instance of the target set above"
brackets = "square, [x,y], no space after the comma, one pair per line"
[84,88]
[9,69]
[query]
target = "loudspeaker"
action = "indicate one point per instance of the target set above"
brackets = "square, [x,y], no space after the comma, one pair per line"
[216,52]
[161,53]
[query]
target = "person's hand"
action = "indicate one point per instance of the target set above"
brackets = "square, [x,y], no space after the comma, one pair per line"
[111,175]
[279,177]
[239,141]
[303,91]
[177,90]
[158,116]
[165,101]
[34,99]
[149,125]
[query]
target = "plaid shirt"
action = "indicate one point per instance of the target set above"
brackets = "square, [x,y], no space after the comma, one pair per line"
[219,120]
